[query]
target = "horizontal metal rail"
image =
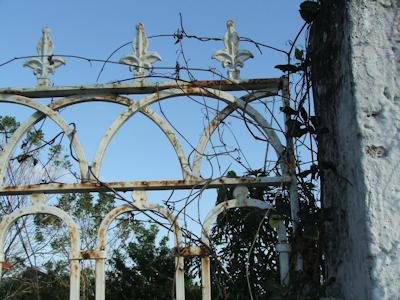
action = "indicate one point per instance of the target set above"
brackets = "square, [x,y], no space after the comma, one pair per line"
[60,188]
[268,84]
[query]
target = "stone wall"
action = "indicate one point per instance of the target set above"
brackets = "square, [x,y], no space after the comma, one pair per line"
[355,49]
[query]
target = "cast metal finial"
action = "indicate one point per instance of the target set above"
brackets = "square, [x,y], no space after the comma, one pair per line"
[232,57]
[140,59]
[45,62]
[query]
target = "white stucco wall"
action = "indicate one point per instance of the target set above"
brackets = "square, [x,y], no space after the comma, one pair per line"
[375,62]
[355,48]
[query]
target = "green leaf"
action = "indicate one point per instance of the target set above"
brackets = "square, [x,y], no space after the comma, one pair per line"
[39,236]
[313,171]
[295,128]
[288,110]
[274,221]
[35,137]
[298,54]
[8,125]
[287,68]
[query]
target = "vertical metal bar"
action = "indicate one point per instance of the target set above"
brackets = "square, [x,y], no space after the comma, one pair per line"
[100,278]
[291,170]
[283,248]
[283,264]
[290,159]
[74,289]
[179,277]
[205,278]
[2,258]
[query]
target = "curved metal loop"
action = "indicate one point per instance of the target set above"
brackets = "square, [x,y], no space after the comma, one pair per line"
[40,207]
[101,245]
[282,247]
[211,218]
[218,119]
[112,215]
[164,126]
[153,116]
[41,110]
[174,92]
[61,103]
[223,206]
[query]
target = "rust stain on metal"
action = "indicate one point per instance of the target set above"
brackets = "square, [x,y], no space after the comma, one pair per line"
[109,93]
[91,254]
[142,88]
[58,188]
[73,235]
[75,269]
[102,242]
[201,251]
[87,254]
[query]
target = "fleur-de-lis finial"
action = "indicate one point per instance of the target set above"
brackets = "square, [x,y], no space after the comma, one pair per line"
[140,59]
[46,62]
[232,57]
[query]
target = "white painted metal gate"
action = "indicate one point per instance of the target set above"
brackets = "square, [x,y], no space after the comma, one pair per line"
[139,61]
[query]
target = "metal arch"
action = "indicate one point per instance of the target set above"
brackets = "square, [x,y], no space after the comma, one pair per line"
[165,127]
[213,125]
[174,92]
[23,129]
[137,207]
[37,116]
[241,201]
[210,218]
[212,215]
[153,116]
[13,141]
[101,246]
[142,106]
[40,207]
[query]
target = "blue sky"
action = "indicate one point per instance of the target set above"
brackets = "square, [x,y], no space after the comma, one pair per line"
[94,29]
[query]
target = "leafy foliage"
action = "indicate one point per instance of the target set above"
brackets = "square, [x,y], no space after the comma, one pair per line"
[34,137]
[146,270]
[8,125]
[32,283]
[245,259]
[287,68]
[142,265]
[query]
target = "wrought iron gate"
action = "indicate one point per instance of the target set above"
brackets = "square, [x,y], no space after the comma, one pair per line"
[139,61]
